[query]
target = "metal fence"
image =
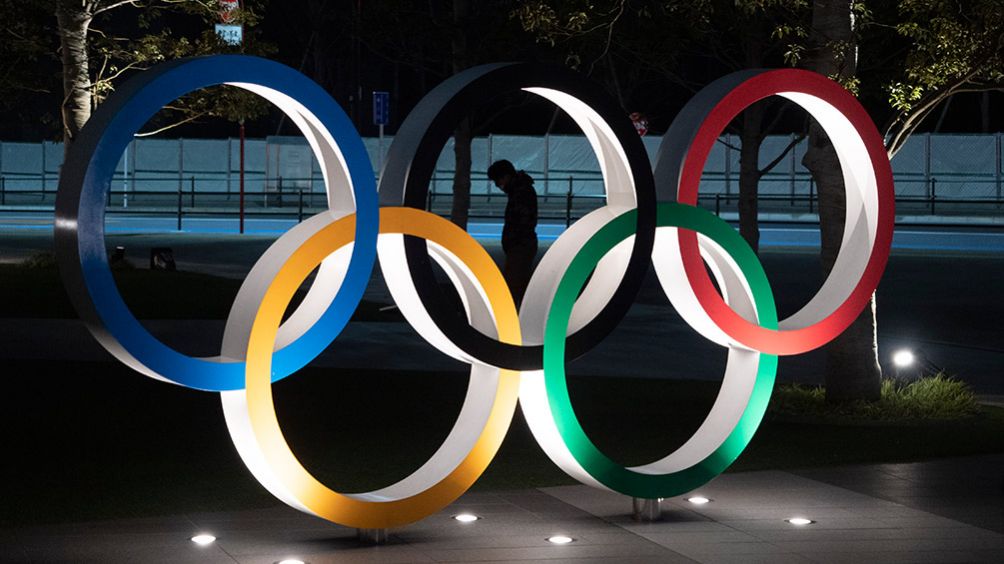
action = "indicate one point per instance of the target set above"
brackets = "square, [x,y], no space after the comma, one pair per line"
[942,175]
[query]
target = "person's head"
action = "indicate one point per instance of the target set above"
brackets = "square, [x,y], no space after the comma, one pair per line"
[501,172]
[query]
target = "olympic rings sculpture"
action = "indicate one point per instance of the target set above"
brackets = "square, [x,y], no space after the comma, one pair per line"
[578,293]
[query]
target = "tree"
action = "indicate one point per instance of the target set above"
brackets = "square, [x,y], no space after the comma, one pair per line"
[629,38]
[439,39]
[928,51]
[954,47]
[852,369]
[462,136]
[28,44]
[86,84]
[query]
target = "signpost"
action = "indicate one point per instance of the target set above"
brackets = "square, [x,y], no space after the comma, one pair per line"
[233,34]
[381,117]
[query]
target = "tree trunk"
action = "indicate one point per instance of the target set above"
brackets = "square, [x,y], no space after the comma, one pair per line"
[74,19]
[462,135]
[462,174]
[749,174]
[852,370]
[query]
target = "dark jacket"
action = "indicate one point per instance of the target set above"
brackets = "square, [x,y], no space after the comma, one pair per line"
[520,212]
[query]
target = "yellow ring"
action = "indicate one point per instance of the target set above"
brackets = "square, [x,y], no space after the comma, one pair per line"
[346,509]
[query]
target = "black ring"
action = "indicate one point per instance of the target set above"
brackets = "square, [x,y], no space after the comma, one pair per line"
[411,161]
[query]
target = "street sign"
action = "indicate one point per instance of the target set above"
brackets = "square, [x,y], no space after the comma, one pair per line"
[230,34]
[381,108]
[227,8]
[640,123]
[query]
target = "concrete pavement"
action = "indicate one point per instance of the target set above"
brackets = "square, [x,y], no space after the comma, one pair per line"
[942,511]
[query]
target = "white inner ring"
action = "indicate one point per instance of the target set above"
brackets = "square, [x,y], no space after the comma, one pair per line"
[470,423]
[733,397]
[856,247]
[341,202]
[620,194]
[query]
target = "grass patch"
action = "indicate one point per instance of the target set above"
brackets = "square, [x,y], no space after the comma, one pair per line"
[936,397]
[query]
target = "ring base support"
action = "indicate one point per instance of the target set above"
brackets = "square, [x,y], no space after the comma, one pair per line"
[646,510]
[372,536]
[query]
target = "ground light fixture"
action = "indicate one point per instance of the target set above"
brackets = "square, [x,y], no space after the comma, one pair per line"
[560,539]
[291,561]
[903,358]
[203,539]
[698,500]
[466,517]
[800,521]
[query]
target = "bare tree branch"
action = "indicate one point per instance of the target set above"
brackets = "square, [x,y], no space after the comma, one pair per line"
[173,125]
[133,3]
[777,160]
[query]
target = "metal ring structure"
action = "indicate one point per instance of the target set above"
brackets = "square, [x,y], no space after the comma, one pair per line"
[582,287]
[742,399]
[477,434]
[627,181]
[868,223]
[83,190]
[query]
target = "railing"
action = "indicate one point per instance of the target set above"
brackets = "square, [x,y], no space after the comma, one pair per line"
[292,198]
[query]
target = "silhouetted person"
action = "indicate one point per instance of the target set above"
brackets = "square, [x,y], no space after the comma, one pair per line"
[519,233]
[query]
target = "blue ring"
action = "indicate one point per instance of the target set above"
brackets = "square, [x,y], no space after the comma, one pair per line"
[84,189]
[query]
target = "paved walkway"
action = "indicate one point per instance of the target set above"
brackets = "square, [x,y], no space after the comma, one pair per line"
[942,511]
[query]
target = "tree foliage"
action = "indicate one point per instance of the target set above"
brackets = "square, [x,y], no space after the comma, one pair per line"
[105,41]
[954,46]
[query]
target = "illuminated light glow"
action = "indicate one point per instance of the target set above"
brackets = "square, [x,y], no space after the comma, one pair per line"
[291,561]
[466,518]
[560,539]
[903,358]
[203,539]
[698,500]
[583,285]
[800,521]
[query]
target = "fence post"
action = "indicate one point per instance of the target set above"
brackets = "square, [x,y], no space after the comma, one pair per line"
[791,172]
[181,163]
[927,161]
[192,190]
[133,143]
[299,212]
[934,192]
[279,188]
[432,191]
[488,199]
[230,160]
[3,191]
[728,164]
[718,203]
[547,164]
[568,204]
[812,194]
[1000,167]
[180,195]
[43,169]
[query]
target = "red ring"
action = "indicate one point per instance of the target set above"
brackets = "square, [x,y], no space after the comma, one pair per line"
[792,341]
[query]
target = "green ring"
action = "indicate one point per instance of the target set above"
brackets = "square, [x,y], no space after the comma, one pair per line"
[594,462]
